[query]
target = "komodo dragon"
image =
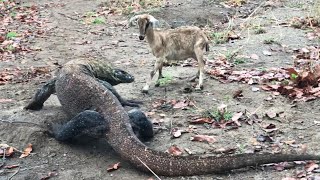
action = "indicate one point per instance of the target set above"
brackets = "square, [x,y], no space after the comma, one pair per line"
[78,91]
[108,76]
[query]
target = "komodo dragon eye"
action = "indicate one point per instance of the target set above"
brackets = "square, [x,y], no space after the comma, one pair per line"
[123,76]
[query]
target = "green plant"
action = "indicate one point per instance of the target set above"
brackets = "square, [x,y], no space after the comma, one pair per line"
[90,14]
[10,48]
[11,35]
[99,20]
[142,3]
[220,37]
[259,30]
[294,76]
[241,148]
[240,60]
[165,80]
[270,41]
[128,10]
[216,115]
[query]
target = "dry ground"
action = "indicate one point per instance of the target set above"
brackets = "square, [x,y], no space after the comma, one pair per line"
[68,38]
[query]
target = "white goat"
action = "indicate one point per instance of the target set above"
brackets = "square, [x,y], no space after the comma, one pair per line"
[172,44]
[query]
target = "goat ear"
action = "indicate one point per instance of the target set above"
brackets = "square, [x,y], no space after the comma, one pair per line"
[133,20]
[155,22]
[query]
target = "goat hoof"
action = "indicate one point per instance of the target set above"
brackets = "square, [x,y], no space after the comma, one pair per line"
[145,91]
[199,88]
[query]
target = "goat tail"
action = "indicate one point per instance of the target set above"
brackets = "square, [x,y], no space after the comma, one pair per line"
[207,46]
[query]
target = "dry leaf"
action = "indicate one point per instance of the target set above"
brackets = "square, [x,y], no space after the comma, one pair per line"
[26,151]
[50,174]
[174,150]
[11,166]
[177,132]
[311,166]
[254,56]
[202,121]
[271,114]
[114,167]
[203,138]
[236,117]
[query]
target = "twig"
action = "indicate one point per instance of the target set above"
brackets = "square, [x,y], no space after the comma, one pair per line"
[72,18]
[149,169]
[253,12]
[14,173]
[255,111]
[11,122]
[304,128]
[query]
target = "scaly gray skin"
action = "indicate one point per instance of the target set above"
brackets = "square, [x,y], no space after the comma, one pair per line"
[89,122]
[102,71]
[78,92]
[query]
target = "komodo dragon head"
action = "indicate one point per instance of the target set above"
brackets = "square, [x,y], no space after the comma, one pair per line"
[118,76]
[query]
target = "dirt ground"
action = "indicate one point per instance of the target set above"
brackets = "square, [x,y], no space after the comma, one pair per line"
[68,38]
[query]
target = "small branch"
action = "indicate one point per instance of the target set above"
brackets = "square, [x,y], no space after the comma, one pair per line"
[22,122]
[255,111]
[14,173]
[72,18]
[149,169]
[304,128]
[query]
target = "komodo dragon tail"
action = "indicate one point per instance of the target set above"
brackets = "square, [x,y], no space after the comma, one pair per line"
[77,90]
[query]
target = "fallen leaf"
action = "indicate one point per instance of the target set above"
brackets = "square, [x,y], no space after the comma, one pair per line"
[181,104]
[290,142]
[202,121]
[237,94]
[271,114]
[263,138]
[26,151]
[113,167]
[254,56]
[255,89]
[174,150]
[202,138]
[301,174]
[5,100]
[310,166]
[188,151]
[267,53]
[225,151]
[236,117]
[177,132]
[49,175]
[8,150]
[11,166]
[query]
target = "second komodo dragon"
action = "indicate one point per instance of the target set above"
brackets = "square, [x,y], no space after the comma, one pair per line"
[107,76]
[78,91]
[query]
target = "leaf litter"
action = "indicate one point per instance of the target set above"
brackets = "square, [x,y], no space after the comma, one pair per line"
[300,82]
[19,24]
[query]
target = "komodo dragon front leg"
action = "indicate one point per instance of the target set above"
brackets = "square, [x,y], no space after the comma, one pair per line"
[123,102]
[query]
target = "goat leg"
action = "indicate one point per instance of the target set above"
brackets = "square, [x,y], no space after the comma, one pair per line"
[199,55]
[160,75]
[157,66]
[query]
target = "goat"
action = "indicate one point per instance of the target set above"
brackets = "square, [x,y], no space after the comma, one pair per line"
[172,44]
